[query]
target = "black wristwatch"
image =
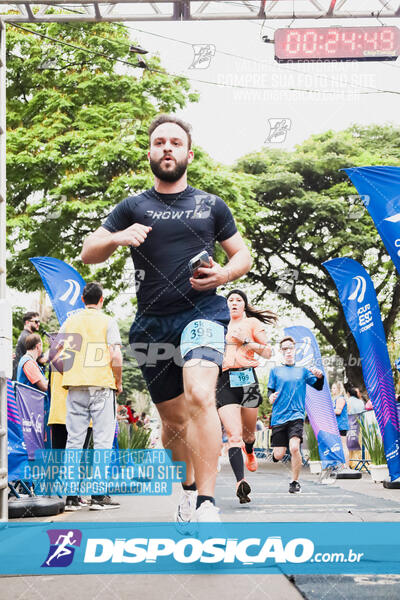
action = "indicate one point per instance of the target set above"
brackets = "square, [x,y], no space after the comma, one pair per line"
[246,341]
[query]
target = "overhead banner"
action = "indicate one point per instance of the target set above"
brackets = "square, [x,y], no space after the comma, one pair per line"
[17,455]
[319,404]
[361,309]
[379,189]
[32,410]
[63,284]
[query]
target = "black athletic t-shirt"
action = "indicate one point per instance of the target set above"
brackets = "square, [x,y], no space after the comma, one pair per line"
[183,225]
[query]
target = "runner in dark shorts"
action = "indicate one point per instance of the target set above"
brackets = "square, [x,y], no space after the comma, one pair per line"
[238,393]
[156,344]
[282,434]
[287,393]
[178,332]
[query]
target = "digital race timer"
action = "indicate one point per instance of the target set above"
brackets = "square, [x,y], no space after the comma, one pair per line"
[337,44]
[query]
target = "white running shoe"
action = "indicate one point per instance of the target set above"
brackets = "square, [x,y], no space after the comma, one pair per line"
[186,507]
[328,475]
[207,513]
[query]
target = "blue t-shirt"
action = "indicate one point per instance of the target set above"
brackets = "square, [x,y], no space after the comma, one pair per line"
[182,226]
[290,383]
[21,377]
[342,419]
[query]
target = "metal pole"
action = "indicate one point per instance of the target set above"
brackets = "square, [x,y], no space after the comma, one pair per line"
[5,317]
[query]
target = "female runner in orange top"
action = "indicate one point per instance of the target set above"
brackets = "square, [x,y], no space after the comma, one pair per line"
[238,394]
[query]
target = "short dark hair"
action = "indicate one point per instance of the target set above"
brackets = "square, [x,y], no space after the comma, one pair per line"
[92,292]
[164,118]
[32,341]
[354,391]
[29,315]
[288,338]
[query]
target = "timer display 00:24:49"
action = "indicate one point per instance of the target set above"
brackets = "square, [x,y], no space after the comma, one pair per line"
[337,43]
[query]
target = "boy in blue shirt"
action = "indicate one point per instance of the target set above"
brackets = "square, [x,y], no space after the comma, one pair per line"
[287,393]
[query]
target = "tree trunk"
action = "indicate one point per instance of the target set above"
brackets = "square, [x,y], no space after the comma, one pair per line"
[355,376]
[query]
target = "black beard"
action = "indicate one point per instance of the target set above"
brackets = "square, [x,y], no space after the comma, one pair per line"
[171,175]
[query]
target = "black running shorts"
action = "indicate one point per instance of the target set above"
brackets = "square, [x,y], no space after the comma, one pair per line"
[248,396]
[155,342]
[281,434]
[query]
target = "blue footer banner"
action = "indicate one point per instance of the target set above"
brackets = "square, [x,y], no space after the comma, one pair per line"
[224,548]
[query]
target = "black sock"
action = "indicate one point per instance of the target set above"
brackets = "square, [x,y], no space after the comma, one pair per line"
[201,499]
[236,460]
[249,447]
[192,487]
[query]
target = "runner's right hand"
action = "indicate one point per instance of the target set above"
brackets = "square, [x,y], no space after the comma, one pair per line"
[273,397]
[132,236]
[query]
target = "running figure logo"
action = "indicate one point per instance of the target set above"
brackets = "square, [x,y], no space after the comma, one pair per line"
[278,129]
[204,203]
[62,547]
[203,53]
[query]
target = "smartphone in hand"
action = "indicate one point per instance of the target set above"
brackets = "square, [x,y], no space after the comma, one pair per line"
[200,260]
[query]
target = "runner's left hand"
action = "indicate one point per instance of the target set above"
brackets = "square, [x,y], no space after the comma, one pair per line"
[211,277]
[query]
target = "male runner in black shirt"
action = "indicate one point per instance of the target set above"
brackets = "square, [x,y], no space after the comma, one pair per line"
[178,332]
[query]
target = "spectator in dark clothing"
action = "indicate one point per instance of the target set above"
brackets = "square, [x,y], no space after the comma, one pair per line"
[31,325]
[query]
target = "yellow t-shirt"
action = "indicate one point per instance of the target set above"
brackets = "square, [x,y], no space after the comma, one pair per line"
[58,401]
[86,356]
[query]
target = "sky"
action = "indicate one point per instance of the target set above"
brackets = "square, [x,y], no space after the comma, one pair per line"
[229,122]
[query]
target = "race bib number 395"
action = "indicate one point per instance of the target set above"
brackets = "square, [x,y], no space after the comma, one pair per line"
[202,333]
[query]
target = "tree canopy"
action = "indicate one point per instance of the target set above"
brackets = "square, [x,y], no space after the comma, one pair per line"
[76,136]
[309,212]
[77,144]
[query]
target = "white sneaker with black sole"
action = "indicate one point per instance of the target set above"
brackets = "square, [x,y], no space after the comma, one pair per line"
[103,503]
[186,507]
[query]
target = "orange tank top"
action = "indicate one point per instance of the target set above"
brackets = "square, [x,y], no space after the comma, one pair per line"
[236,355]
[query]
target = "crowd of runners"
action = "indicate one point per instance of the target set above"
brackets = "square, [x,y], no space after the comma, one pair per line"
[209,379]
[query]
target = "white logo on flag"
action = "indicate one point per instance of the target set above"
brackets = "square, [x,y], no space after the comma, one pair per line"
[306,351]
[72,291]
[361,287]
[393,218]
